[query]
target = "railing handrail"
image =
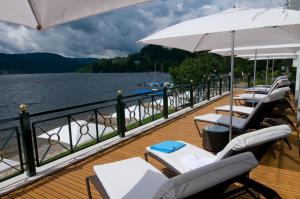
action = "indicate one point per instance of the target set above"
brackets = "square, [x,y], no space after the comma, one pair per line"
[171,99]
[11,119]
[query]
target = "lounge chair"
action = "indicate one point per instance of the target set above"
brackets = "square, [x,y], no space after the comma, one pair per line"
[191,157]
[264,89]
[241,124]
[244,110]
[257,97]
[280,86]
[135,178]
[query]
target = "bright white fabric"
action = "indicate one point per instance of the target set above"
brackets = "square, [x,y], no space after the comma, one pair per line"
[268,49]
[255,138]
[198,157]
[259,89]
[131,178]
[273,57]
[77,137]
[250,96]
[47,13]
[253,27]
[236,109]
[177,159]
[238,123]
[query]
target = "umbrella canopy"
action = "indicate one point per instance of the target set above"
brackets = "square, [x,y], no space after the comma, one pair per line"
[269,49]
[273,57]
[285,51]
[42,14]
[268,55]
[236,27]
[254,27]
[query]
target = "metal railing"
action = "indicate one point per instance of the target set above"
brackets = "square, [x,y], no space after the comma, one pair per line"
[47,136]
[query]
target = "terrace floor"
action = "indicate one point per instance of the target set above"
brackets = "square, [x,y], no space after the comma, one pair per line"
[281,174]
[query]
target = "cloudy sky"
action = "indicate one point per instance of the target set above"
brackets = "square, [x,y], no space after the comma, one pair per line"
[114,33]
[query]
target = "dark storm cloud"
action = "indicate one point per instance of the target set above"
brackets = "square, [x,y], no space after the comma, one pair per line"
[114,33]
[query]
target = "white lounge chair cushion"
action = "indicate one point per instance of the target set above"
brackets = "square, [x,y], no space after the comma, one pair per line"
[236,109]
[238,123]
[131,178]
[259,89]
[190,183]
[254,138]
[185,159]
[250,96]
[281,90]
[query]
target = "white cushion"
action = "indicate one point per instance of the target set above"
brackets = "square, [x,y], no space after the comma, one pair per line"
[250,96]
[131,178]
[255,138]
[185,159]
[238,123]
[236,109]
[259,89]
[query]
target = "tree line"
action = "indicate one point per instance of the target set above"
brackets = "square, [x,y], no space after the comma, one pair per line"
[182,65]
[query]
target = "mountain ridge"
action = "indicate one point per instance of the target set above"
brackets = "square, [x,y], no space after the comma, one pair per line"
[40,63]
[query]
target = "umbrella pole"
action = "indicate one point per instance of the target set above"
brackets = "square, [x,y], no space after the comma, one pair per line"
[272,69]
[231,83]
[254,78]
[267,68]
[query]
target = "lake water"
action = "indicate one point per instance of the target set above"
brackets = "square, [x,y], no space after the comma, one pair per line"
[43,92]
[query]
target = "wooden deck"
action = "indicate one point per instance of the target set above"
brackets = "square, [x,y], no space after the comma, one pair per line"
[282,174]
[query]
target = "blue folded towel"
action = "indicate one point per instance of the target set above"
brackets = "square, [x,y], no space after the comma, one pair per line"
[167,146]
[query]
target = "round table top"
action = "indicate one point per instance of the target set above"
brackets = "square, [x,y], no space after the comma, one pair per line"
[216,129]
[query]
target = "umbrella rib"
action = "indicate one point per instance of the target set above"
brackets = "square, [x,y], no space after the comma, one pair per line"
[39,25]
[198,43]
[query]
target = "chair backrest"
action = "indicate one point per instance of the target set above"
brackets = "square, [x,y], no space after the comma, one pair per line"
[262,109]
[280,83]
[281,89]
[203,178]
[284,77]
[257,141]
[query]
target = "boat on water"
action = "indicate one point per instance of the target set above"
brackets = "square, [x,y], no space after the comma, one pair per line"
[148,91]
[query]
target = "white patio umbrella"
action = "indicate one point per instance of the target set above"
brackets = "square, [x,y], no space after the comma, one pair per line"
[238,27]
[268,49]
[268,57]
[273,58]
[256,57]
[42,14]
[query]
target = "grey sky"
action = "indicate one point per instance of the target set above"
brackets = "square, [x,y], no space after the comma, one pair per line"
[114,33]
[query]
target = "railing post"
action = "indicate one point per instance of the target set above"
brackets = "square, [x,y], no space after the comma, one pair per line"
[229,82]
[213,86]
[165,102]
[249,81]
[121,123]
[208,89]
[26,133]
[191,94]
[220,85]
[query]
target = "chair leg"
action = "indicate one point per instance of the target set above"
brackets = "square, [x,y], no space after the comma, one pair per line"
[273,153]
[199,131]
[146,156]
[88,187]
[288,143]
[260,188]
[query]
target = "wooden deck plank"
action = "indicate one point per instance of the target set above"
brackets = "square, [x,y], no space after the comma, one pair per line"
[281,174]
